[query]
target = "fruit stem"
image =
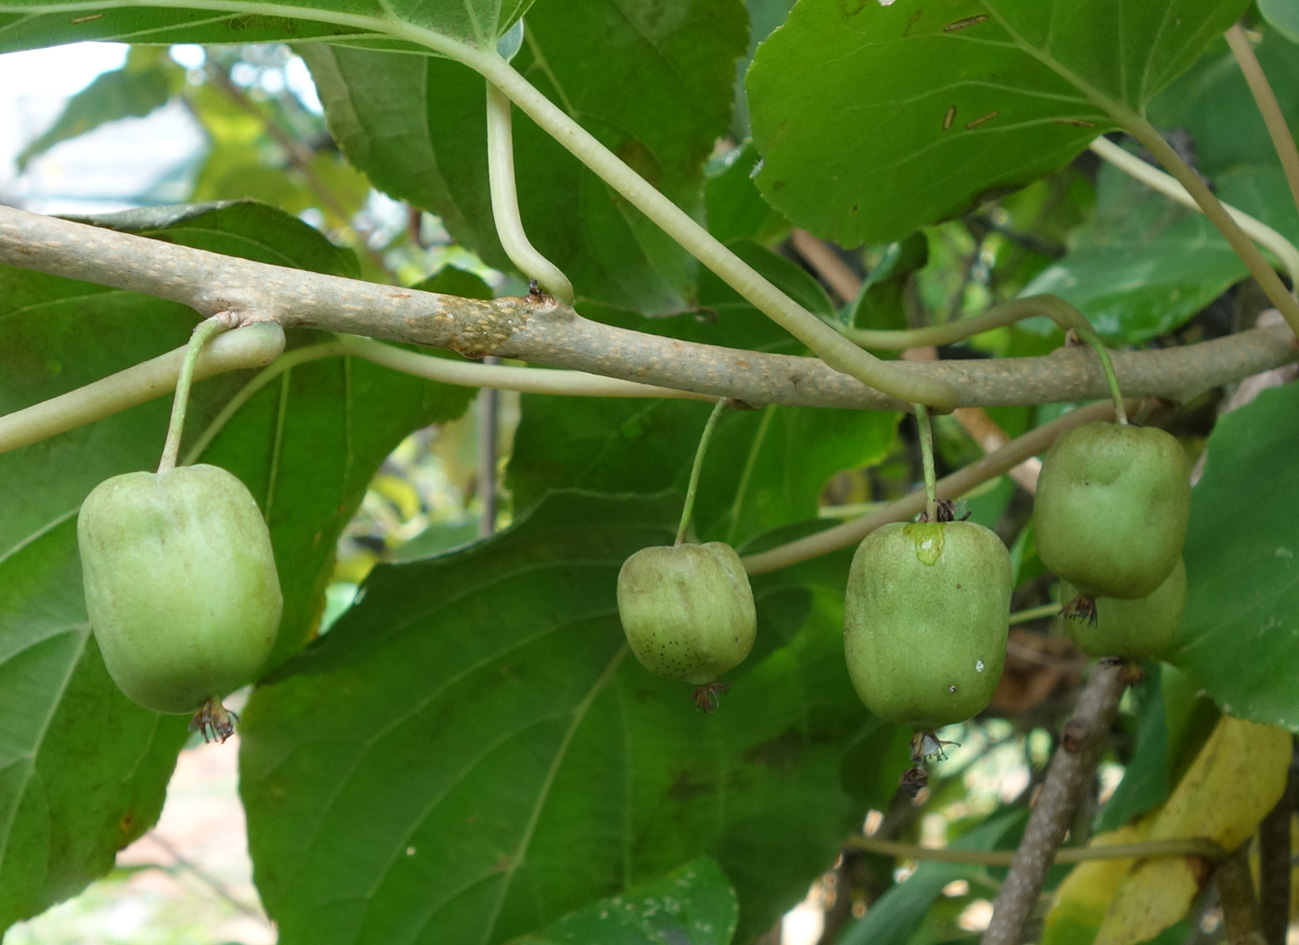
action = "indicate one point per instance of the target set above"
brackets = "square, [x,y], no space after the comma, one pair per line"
[694,471]
[505,201]
[203,331]
[927,461]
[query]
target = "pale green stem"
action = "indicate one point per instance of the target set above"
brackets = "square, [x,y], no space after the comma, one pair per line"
[444,370]
[1032,443]
[505,202]
[696,469]
[999,316]
[823,340]
[1116,851]
[1258,267]
[203,332]
[249,347]
[1033,613]
[927,462]
[1285,251]
[1269,108]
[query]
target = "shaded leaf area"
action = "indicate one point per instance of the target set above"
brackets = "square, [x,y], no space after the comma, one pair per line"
[764,468]
[874,120]
[1283,16]
[651,81]
[894,918]
[473,22]
[82,769]
[1141,266]
[693,905]
[472,753]
[144,83]
[1240,633]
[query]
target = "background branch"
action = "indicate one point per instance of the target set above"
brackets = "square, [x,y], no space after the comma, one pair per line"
[1071,769]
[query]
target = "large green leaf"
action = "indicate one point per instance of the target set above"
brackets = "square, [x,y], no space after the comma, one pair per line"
[874,120]
[694,905]
[471,752]
[652,82]
[1141,266]
[477,23]
[1240,634]
[765,468]
[82,769]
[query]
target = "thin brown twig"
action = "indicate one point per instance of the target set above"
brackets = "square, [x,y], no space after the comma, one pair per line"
[1070,771]
[1118,851]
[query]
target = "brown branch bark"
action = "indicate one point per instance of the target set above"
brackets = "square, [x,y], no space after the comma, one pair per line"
[545,332]
[1070,770]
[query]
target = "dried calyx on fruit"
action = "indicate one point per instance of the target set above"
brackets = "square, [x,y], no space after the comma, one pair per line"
[180,585]
[688,613]
[1127,629]
[1111,509]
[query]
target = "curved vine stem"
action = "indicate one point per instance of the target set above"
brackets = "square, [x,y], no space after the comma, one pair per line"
[1268,107]
[203,333]
[1285,251]
[695,470]
[505,202]
[999,316]
[927,462]
[824,341]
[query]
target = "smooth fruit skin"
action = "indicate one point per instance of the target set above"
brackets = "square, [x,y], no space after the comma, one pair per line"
[1111,508]
[180,584]
[1132,629]
[925,621]
[687,610]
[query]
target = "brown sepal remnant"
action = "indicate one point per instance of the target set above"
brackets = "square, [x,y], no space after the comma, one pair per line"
[1080,608]
[914,780]
[215,721]
[708,696]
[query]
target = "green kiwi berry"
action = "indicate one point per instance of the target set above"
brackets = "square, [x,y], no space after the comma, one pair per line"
[1111,508]
[180,584]
[687,610]
[1131,629]
[925,621]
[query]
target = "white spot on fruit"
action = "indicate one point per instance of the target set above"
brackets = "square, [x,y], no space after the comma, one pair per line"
[978,666]
[410,851]
[1284,553]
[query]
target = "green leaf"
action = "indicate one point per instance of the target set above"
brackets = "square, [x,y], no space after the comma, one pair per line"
[146,82]
[1145,783]
[1240,633]
[874,120]
[1283,15]
[693,905]
[765,468]
[653,83]
[735,208]
[1141,266]
[82,769]
[471,752]
[477,23]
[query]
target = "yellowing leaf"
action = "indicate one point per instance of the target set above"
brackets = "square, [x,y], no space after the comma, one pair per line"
[1237,777]
[1081,901]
